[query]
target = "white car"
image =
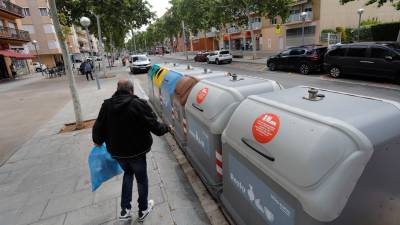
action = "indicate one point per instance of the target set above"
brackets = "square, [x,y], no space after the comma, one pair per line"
[38,66]
[219,57]
[139,63]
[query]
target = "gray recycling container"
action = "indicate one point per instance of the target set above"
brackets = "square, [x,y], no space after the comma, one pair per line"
[298,158]
[181,94]
[208,109]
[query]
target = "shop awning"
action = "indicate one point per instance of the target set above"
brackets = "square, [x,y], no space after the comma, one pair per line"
[17,55]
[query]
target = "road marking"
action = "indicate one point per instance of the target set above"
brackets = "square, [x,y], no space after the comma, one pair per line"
[363,83]
[140,92]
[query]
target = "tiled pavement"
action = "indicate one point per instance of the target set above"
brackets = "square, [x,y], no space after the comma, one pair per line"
[46,182]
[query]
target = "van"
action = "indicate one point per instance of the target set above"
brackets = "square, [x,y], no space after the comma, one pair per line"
[373,59]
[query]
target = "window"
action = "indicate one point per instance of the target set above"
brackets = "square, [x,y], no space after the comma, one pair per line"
[26,12]
[274,21]
[29,28]
[48,29]
[297,52]
[357,52]
[337,52]
[52,44]
[310,30]
[285,53]
[44,11]
[224,52]
[380,53]
[11,25]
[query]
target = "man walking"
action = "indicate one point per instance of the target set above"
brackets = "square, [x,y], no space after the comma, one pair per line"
[87,68]
[125,124]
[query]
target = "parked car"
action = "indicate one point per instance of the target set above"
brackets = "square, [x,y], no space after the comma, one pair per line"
[139,63]
[219,57]
[201,57]
[377,59]
[305,59]
[38,66]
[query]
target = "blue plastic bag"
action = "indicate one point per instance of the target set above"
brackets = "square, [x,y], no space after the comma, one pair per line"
[102,166]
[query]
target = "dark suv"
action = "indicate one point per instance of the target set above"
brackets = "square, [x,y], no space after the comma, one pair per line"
[378,59]
[305,59]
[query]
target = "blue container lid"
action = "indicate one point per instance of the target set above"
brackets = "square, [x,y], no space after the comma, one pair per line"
[170,81]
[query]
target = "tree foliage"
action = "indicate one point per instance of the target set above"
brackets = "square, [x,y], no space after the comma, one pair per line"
[117,17]
[202,15]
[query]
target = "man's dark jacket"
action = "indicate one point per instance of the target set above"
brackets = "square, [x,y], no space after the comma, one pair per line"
[124,124]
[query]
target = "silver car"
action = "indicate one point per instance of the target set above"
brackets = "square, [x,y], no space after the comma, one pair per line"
[139,63]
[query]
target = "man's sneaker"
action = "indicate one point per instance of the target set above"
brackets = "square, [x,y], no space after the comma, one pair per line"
[126,214]
[145,213]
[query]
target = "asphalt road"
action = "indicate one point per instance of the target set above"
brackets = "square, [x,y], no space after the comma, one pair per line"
[27,104]
[363,86]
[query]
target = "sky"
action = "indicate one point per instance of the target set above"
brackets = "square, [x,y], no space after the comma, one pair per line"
[159,7]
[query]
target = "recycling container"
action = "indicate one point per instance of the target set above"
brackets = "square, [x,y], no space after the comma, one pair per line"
[208,109]
[307,156]
[181,94]
[154,69]
[167,91]
[157,81]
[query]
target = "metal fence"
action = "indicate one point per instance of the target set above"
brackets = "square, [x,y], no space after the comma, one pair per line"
[11,33]
[10,7]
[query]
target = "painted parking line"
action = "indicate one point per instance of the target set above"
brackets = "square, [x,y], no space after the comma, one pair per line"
[139,90]
[363,83]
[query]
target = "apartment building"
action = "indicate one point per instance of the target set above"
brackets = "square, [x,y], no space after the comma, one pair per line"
[40,26]
[239,38]
[12,40]
[320,15]
[272,36]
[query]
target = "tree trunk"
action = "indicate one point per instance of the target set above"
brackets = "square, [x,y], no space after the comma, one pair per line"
[398,37]
[67,64]
[205,40]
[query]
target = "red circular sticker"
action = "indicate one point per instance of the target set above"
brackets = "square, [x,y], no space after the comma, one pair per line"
[201,95]
[265,127]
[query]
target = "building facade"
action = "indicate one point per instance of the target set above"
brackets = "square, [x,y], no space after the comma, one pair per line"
[320,15]
[40,26]
[12,40]
[272,36]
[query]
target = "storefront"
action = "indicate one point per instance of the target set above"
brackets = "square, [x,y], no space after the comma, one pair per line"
[18,60]
[238,42]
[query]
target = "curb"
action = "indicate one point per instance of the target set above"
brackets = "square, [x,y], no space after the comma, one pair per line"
[210,206]
[237,61]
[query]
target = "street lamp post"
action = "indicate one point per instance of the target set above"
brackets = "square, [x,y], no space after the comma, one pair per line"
[85,22]
[359,12]
[184,40]
[303,16]
[34,42]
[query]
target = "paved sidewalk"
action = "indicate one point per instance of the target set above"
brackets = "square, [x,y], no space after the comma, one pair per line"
[181,56]
[46,182]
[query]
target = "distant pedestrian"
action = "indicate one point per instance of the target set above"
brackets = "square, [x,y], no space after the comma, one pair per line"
[13,71]
[125,124]
[87,69]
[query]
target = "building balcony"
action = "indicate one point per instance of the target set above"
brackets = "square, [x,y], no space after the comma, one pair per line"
[299,2]
[10,10]
[294,18]
[232,30]
[14,34]
[256,26]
